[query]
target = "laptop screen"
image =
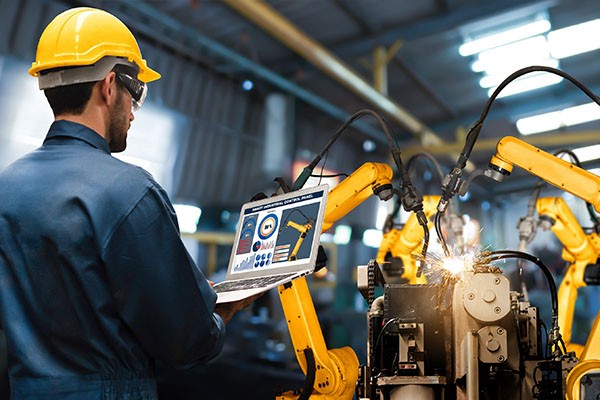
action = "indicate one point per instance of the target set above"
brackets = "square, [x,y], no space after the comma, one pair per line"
[279,234]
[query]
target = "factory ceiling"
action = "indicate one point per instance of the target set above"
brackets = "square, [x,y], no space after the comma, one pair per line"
[398,57]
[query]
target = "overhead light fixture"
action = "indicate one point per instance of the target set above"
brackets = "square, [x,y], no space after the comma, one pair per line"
[508,36]
[588,153]
[369,146]
[527,83]
[575,39]
[502,52]
[247,85]
[493,80]
[558,119]
[372,237]
[508,58]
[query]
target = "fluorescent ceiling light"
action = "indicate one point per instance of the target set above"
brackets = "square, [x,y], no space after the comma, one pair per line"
[507,59]
[372,237]
[575,39]
[588,153]
[534,48]
[558,119]
[527,83]
[505,37]
[495,78]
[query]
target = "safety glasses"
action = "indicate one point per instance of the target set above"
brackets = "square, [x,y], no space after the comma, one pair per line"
[135,87]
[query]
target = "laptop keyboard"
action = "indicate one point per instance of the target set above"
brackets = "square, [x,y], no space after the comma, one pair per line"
[250,283]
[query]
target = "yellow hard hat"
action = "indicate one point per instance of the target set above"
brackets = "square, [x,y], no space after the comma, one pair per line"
[82,36]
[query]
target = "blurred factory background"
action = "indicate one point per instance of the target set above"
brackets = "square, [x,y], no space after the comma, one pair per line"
[253,90]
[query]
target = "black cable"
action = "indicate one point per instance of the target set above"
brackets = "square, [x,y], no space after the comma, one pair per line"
[474,132]
[503,254]
[453,179]
[301,180]
[382,331]
[311,372]
[329,175]
[545,350]
[411,163]
[437,221]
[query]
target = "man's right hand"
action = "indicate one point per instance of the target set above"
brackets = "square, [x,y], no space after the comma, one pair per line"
[227,310]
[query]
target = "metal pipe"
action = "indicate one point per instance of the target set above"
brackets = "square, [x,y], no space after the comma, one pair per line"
[472,366]
[167,30]
[279,27]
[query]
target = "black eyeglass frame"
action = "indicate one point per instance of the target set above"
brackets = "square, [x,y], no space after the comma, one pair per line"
[135,87]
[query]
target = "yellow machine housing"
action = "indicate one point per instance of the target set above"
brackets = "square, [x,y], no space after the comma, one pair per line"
[406,243]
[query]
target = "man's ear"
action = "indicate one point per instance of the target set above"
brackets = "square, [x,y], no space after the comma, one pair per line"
[108,88]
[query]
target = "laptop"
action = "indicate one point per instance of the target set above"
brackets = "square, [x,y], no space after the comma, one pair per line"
[277,240]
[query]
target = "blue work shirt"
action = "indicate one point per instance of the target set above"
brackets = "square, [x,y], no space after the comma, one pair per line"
[95,282]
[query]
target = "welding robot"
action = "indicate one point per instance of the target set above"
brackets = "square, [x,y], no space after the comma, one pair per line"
[581,251]
[472,337]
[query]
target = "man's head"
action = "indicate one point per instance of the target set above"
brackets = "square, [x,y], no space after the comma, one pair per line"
[88,61]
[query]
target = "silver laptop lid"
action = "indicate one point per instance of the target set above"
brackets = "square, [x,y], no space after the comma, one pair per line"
[279,234]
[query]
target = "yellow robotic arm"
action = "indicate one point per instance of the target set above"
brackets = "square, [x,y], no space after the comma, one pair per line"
[407,242]
[579,182]
[331,374]
[579,249]
[554,170]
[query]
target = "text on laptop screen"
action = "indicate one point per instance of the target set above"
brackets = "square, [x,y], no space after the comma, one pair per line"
[277,234]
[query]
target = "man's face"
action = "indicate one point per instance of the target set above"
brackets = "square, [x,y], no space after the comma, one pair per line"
[120,121]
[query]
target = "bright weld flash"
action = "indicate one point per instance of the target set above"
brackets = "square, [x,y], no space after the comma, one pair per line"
[458,264]
[454,265]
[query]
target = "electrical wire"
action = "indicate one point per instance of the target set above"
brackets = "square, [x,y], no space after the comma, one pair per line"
[437,222]
[381,332]
[474,132]
[411,198]
[411,163]
[452,181]
[329,175]
[503,254]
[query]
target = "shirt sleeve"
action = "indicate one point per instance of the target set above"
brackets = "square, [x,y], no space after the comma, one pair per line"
[161,294]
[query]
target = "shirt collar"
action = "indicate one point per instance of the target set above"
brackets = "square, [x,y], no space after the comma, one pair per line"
[74,130]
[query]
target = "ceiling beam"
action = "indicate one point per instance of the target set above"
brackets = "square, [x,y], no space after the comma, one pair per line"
[283,30]
[171,33]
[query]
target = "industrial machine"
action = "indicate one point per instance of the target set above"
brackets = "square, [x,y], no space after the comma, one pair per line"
[467,336]
[471,337]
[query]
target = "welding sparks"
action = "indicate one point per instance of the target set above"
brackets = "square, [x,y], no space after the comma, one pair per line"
[455,265]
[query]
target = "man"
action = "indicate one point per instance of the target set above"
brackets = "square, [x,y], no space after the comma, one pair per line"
[95,281]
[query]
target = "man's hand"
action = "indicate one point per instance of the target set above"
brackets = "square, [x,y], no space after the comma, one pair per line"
[227,310]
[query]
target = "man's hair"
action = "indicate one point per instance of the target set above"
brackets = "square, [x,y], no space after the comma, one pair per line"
[70,99]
